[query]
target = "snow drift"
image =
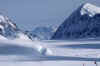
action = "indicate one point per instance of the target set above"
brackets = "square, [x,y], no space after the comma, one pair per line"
[23,47]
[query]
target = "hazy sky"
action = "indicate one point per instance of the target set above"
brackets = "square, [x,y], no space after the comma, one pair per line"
[28,14]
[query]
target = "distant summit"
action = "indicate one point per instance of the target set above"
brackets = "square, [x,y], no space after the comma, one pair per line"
[41,33]
[82,23]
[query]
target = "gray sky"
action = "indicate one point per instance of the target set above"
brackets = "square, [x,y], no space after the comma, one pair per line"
[28,14]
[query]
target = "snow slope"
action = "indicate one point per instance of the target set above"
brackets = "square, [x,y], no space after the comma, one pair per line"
[23,48]
[10,30]
[70,53]
[22,36]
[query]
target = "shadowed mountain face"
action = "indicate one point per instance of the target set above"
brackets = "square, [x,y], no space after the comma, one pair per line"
[82,23]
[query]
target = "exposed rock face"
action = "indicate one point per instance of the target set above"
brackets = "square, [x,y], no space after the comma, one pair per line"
[82,23]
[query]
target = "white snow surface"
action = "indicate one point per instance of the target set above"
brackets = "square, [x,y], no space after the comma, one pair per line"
[22,36]
[90,9]
[26,47]
[1,27]
[3,38]
[2,18]
[65,53]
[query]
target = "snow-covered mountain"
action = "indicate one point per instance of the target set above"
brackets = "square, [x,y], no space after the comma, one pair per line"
[84,22]
[41,33]
[15,41]
[9,30]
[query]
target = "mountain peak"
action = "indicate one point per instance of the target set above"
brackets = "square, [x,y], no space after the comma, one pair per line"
[90,9]
[84,22]
[6,21]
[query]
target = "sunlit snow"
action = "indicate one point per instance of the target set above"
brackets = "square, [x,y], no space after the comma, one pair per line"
[90,9]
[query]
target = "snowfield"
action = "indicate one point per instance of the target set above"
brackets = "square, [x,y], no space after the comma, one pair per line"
[63,53]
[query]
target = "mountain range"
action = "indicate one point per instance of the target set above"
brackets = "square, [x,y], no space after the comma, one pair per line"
[9,30]
[84,22]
